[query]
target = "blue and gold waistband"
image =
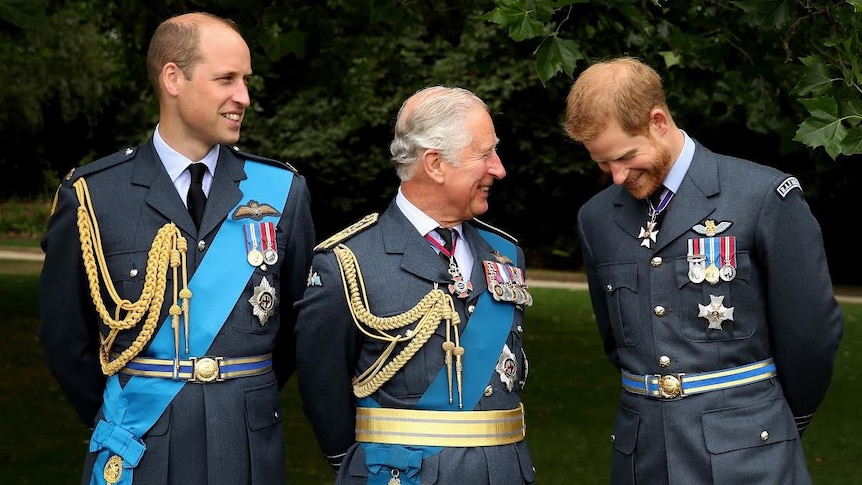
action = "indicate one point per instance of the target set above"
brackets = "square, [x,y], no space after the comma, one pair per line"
[671,386]
[199,369]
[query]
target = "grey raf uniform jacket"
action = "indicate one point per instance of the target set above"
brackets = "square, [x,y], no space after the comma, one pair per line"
[398,267]
[216,433]
[647,310]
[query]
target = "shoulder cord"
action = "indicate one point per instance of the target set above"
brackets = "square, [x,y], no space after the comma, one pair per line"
[168,248]
[434,307]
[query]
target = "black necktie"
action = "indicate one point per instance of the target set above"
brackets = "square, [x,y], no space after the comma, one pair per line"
[196,198]
[446,234]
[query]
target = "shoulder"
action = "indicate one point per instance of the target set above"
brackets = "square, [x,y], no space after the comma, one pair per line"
[347,232]
[259,158]
[484,226]
[101,164]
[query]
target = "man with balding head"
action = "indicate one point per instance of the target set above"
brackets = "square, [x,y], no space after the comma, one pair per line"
[170,274]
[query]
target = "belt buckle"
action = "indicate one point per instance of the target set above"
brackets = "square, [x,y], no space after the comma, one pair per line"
[670,385]
[206,369]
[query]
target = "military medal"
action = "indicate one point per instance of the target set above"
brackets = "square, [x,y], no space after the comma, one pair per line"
[459,286]
[728,257]
[267,231]
[715,312]
[263,301]
[711,273]
[696,258]
[507,283]
[648,234]
[507,368]
[113,470]
[394,480]
[253,255]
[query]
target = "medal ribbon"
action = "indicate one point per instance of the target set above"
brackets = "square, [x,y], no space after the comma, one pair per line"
[436,244]
[664,200]
[268,235]
[728,250]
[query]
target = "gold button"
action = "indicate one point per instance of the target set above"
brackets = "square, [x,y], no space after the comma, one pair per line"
[659,311]
[202,245]
[471,309]
[664,361]
[655,262]
[488,391]
[609,288]
[764,435]
[133,273]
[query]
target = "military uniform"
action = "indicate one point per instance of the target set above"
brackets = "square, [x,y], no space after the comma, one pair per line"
[223,425]
[721,319]
[364,301]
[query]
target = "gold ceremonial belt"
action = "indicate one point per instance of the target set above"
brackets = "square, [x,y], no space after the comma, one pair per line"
[440,428]
[199,369]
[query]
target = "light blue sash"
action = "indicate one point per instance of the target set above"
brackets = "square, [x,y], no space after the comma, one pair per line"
[129,412]
[484,337]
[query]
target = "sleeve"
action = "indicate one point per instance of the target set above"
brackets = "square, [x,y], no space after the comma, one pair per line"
[597,294]
[805,319]
[296,223]
[68,322]
[328,344]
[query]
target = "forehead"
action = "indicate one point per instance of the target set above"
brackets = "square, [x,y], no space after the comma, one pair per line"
[223,49]
[613,143]
[480,125]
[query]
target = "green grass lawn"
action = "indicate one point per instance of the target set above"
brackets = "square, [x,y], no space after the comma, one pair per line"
[570,400]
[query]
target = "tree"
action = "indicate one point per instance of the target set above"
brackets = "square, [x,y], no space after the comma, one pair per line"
[816,42]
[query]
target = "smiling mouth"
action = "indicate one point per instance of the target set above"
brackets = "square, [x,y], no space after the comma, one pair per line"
[233,116]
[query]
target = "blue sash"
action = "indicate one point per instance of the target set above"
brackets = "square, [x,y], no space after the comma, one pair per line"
[484,338]
[130,411]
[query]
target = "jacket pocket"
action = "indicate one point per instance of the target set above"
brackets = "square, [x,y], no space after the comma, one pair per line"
[620,284]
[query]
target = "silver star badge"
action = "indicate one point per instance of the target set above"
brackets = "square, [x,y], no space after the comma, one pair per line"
[263,301]
[715,312]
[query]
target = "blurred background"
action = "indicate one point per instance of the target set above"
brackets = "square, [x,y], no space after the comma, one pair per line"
[773,81]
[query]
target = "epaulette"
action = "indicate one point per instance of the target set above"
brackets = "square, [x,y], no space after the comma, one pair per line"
[93,167]
[347,232]
[258,158]
[103,163]
[495,230]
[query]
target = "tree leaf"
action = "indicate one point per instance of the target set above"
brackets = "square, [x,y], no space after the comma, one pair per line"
[555,55]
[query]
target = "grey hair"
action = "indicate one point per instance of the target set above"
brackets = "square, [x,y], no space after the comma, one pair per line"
[432,117]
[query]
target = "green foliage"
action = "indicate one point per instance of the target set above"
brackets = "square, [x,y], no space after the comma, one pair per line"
[815,41]
[23,218]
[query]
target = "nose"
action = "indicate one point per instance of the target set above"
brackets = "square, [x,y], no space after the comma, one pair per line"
[619,174]
[241,96]
[496,167]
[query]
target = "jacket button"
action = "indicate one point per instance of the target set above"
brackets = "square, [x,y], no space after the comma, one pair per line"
[656,262]
[664,361]
[659,311]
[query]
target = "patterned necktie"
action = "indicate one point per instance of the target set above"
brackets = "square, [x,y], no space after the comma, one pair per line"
[196,200]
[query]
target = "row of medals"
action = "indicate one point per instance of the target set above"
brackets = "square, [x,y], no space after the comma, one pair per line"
[255,256]
[698,272]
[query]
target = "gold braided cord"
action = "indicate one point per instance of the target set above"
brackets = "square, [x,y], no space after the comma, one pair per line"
[168,249]
[434,307]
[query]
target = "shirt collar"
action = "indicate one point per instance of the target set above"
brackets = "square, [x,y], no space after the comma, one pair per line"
[176,163]
[680,167]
